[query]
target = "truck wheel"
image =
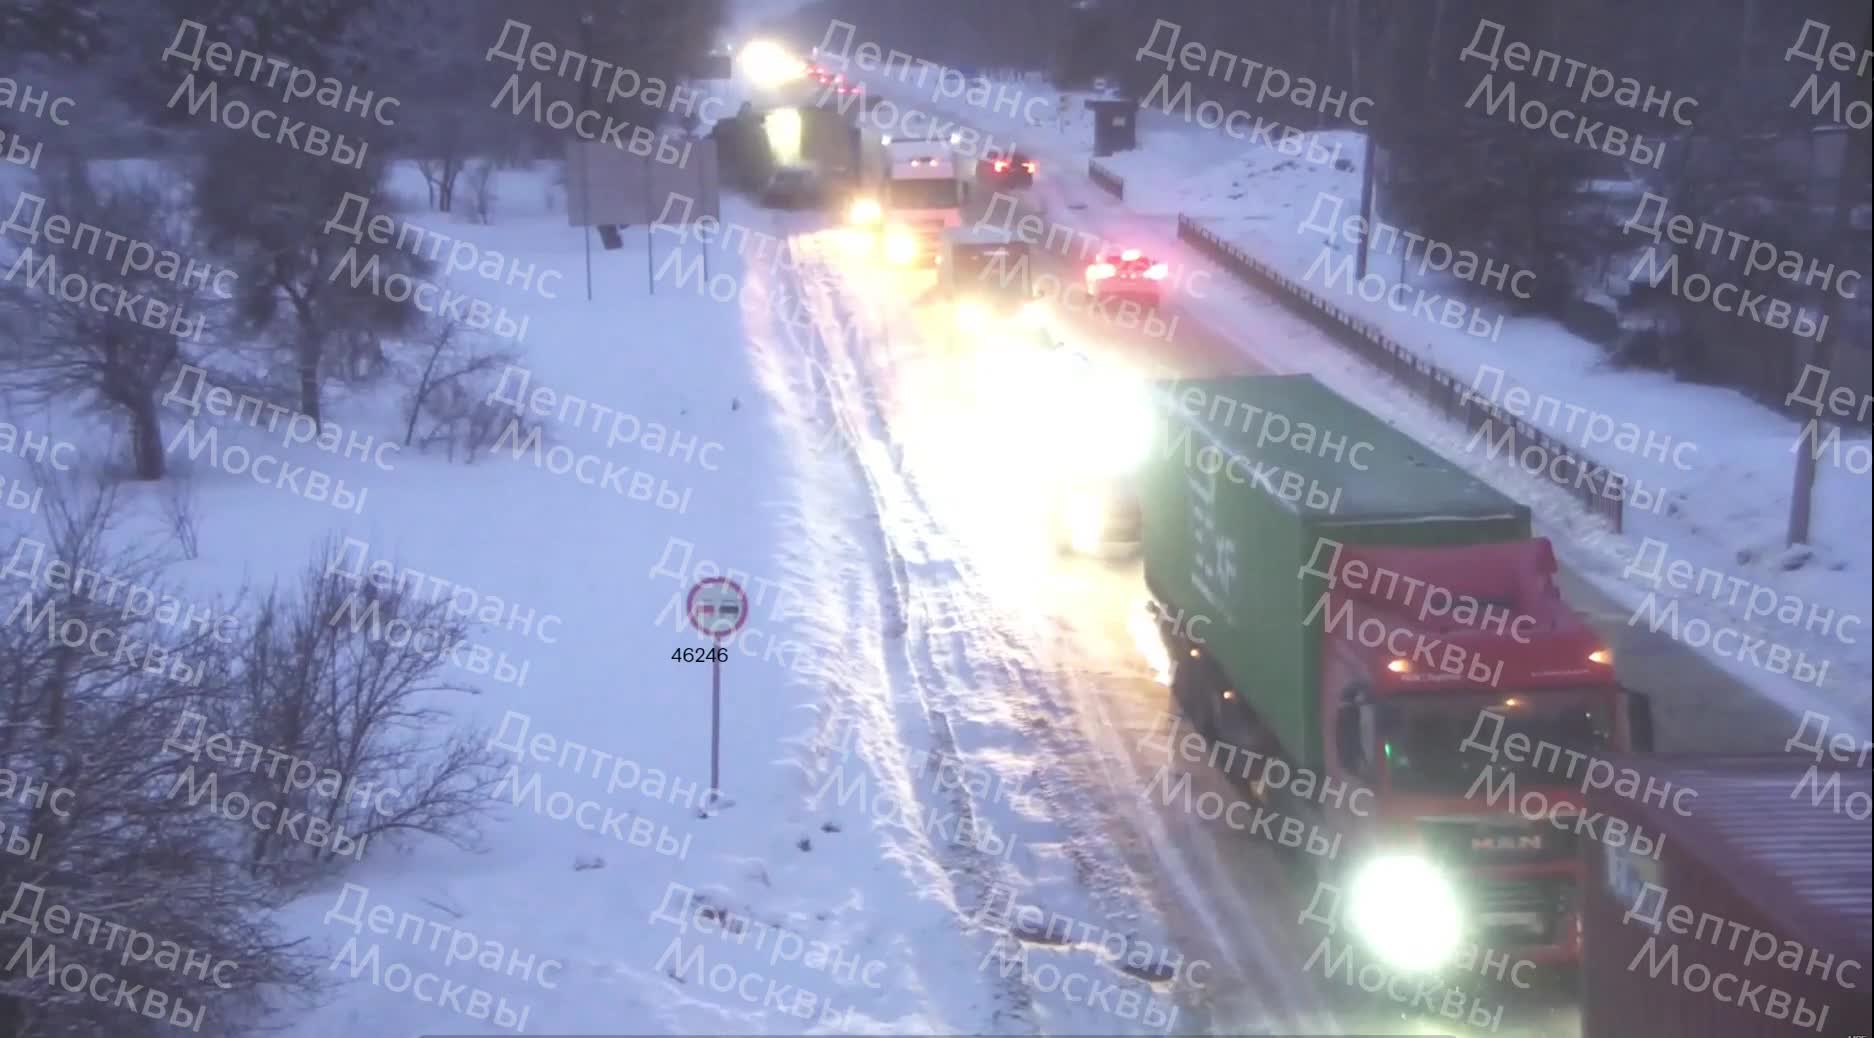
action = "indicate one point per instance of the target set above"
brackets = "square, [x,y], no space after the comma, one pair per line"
[1195,693]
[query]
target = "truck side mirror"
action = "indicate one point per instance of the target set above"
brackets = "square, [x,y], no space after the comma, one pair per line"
[1639,708]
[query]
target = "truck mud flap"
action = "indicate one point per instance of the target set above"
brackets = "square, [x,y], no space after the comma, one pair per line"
[1194,690]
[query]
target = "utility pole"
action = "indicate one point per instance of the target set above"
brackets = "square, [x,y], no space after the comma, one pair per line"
[1853,172]
[1369,165]
[585,167]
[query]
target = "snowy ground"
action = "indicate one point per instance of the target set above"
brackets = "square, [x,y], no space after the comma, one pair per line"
[894,617]
[1729,494]
[550,885]
[855,882]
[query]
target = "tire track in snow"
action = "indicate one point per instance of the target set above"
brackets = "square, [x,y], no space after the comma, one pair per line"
[913,677]
[948,597]
[1195,867]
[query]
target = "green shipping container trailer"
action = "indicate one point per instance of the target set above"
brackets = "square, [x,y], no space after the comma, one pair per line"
[1234,508]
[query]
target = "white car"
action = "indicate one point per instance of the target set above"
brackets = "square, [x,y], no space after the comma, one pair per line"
[1099,426]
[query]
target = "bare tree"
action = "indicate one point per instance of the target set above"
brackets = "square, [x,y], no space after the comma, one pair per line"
[149,816]
[91,701]
[482,189]
[312,289]
[448,401]
[178,505]
[349,676]
[432,54]
[68,335]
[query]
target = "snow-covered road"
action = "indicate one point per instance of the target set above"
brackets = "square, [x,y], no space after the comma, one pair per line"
[1702,703]
[1706,698]
[1029,663]
[1028,659]
[1019,661]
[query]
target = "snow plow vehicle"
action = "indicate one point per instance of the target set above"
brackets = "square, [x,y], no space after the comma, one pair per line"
[1284,584]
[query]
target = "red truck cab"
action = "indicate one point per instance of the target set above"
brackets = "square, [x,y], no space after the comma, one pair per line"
[1460,720]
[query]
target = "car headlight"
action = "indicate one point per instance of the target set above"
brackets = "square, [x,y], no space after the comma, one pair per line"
[1111,445]
[1406,912]
[900,246]
[858,242]
[864,211]
[1085,521]
[1103,431]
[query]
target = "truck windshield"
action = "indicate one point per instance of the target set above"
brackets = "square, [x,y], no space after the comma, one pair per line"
[936,193]
[1423,743]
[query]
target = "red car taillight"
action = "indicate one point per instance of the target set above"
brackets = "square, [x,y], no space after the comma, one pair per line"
[1101,271]
[1029,166]
[1002,166]
[1156,272]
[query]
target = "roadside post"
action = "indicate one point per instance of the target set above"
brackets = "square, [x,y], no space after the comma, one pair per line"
[718,607]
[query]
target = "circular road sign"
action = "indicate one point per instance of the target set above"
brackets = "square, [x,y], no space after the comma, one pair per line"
[718,607]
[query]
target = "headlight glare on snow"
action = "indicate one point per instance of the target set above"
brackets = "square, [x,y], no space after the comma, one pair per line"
[971,316]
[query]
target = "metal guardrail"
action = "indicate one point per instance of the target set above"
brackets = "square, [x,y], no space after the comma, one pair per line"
[1600,489]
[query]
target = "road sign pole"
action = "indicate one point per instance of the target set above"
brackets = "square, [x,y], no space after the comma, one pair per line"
[650,244]
[718,608]
[715,720]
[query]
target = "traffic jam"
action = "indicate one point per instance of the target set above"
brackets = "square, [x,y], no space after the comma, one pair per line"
[1512,799]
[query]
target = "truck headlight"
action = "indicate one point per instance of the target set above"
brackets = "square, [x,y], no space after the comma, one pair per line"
[971,316]
[1106,431]
[864,212]
[1407,912]
[1085,518]
[900,246]
[1132,429]
[1034,313]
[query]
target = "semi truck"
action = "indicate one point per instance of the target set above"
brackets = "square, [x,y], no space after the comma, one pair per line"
[914,195]
[1334,595]
[1751,920]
